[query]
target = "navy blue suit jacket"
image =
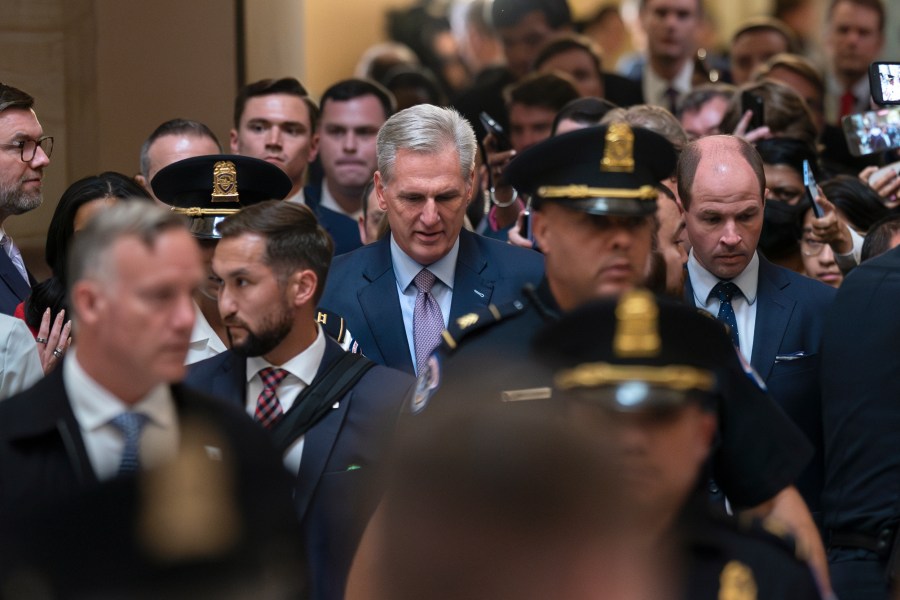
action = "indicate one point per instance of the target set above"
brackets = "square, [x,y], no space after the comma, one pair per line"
[13,288]
[333,494]
[362,288]
[342,229]
[790,320]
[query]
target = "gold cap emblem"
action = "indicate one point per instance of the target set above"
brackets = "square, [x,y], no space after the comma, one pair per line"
[225,182]
[618,151]
[637,332]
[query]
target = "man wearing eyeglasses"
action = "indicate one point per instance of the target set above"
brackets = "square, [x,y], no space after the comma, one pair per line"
[24,152]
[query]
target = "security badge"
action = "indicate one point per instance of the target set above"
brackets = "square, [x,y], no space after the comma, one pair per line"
[225,182]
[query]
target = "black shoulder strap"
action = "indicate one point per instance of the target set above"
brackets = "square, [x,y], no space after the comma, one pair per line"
[316,400]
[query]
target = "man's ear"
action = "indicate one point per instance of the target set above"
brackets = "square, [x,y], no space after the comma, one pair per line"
[539,231]
[89,302]
[233,141]
[379,191]
[302,287]
[313,147]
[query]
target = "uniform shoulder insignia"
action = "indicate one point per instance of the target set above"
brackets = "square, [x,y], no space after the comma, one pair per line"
[458,329]
[332,324]
[736,582]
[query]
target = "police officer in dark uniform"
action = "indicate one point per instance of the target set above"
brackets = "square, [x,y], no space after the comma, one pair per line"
[594,203]
[207,189]
[648,384]
[861,427]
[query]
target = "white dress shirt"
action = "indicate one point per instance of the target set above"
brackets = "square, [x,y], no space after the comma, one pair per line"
[94,407]
[329,202]
[405,271]
[205,342]
[654,86]
[702,281]
[301,371]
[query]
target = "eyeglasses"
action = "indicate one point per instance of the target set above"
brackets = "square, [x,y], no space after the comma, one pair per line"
[28,148]
[811,247]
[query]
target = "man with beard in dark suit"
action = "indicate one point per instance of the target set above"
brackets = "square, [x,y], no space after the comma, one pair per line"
[330,412]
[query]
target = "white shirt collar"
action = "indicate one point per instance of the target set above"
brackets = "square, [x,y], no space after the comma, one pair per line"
[702,281]
[303,366]
[94,406]
[203,332]
[406,269]
[655,86]
[297,198]
[329,202]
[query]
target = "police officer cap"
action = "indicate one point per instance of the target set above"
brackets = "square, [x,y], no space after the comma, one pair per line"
[605,170]
[209,188]
[642,354]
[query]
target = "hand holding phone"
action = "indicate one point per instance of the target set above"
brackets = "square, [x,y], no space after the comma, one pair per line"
[755,104]
[812,190]
[501,142]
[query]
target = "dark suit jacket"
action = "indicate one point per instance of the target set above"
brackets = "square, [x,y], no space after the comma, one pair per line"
[48,490]
[342,229]
[790,319]
[13,288]
[362,288]
[333,494]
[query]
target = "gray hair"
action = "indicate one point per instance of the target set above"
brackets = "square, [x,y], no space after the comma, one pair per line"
[426,129]
[89,256]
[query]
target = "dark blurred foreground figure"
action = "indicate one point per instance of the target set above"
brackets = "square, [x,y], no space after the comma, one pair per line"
[593,492]
[110,427]
[648,385]
[862,430]
[504,502]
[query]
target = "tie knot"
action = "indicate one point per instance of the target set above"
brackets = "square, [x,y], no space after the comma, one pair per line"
[424,281]
[725,291]
[271,377]
[130,423]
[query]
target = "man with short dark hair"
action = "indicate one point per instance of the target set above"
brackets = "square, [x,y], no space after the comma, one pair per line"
[668,72]
[24,152]
[172,141]
[756,41]
[352,112]
[854,38]
[703,108]
[330,413]
[524,26]
[275,120]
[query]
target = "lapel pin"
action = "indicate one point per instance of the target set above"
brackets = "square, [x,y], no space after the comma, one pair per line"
[480,294]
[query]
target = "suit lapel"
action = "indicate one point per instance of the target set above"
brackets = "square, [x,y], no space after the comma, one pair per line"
[12,278]
[381,309]
[319,441]
[470,289]
[230,380]
[773,313]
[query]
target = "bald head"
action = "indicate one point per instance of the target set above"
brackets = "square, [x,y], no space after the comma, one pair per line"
[723,150]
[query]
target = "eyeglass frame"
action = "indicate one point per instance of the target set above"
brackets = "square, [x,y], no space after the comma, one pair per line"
[38,143]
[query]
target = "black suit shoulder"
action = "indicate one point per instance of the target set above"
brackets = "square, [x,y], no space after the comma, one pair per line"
[622,91]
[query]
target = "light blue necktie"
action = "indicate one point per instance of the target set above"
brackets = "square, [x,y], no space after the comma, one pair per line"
[131,425]
[12,251]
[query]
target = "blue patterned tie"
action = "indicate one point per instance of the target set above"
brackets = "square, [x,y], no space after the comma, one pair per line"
[725,291]
[130,424]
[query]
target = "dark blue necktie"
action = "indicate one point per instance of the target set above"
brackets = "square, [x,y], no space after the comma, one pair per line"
[725,291]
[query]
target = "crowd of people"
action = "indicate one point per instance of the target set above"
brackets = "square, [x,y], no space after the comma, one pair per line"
[486,320]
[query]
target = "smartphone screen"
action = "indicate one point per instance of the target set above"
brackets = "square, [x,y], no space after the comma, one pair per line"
[812,190]
[873,131]
[752,102]
[884,81]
